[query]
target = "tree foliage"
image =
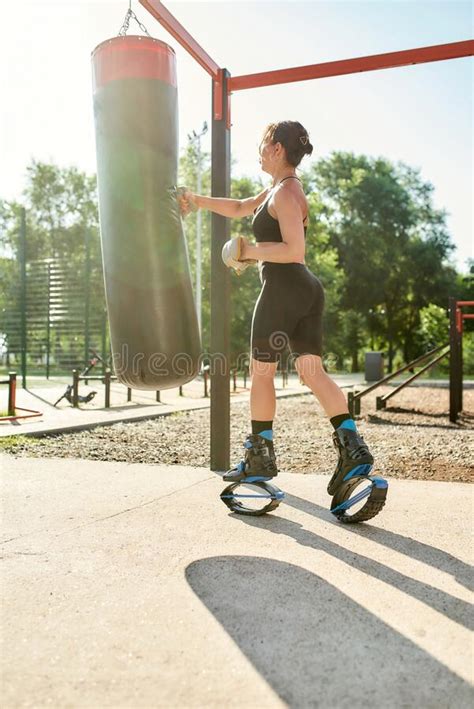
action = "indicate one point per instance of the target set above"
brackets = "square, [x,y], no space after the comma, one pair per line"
[375,240]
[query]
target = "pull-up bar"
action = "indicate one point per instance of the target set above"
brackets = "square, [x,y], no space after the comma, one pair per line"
[389,60]
[222,87]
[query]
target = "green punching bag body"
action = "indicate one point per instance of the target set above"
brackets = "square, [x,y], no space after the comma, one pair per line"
[153,322]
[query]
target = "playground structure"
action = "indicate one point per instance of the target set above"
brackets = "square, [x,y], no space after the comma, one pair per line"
[454,351]
[223,85]
[12,407]
[108,377]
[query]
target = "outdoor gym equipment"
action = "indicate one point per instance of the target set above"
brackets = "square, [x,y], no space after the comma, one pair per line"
[12,407]
[255,496]
[153,322]
[69,393]
[351,504]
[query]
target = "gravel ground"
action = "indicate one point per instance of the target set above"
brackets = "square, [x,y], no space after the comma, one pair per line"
[412,439]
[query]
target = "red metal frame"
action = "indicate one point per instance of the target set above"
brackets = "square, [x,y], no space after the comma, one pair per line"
[460,316]
[170,23]
[389,60]
[12,407]
[223,85]
[31,415]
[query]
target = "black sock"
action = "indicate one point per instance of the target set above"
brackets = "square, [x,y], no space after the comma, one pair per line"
[337,420]
[259,426]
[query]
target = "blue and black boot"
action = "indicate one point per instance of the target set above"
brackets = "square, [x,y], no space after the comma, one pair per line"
[354,456]
[259,462]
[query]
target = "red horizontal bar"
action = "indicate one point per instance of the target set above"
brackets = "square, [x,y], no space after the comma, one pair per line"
[465,302]
[170,23]
[468,315]
[438,52]
[22,416]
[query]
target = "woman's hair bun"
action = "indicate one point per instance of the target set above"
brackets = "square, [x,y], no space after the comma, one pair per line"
[294,138]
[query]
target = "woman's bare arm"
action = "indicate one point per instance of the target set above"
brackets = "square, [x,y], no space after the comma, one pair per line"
[249,205]
[232,208]
[292,247]
[220,205]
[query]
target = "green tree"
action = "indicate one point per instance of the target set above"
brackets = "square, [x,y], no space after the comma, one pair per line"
[61,219]
[382,223]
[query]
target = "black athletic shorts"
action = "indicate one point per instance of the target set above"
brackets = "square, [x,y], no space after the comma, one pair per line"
[288,312]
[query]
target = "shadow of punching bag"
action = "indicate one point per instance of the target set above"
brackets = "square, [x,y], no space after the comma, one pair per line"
[153,322]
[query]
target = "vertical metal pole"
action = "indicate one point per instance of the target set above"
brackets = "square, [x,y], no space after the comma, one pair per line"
[356,403]
[220,288]
[22,254]
[48,325]
[11,393]
[350,402]
[75,388]
[107,388]
[87,284]
[460,380]
[453,362]
[104,338]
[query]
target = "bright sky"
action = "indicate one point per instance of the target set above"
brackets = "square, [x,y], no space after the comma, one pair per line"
[421,115]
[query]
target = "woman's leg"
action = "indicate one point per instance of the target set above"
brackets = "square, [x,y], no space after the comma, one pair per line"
[329,395]
[262,390]
[260,456]
[354,455]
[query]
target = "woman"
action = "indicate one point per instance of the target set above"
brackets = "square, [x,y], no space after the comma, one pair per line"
[289,308]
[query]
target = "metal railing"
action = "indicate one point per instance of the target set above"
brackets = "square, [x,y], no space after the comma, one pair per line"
[354,398]
[107,378]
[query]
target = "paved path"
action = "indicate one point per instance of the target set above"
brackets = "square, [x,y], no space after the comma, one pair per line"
[42,394]
[129,585]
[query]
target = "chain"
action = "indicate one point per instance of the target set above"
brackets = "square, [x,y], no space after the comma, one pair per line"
[131,15]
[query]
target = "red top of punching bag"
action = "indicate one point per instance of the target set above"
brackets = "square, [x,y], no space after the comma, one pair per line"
[133,56]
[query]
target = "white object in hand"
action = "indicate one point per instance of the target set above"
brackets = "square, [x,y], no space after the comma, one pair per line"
[231,252]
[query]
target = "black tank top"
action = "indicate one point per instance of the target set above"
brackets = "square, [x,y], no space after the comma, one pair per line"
[265,227]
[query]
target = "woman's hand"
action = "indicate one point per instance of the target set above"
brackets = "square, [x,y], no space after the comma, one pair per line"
[232,254]
[247,251]
[186,201]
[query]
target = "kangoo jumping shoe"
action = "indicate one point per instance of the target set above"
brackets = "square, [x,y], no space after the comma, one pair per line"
[354,457]
[259,462]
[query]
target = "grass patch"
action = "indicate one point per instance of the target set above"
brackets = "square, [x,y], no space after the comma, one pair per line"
[10,443]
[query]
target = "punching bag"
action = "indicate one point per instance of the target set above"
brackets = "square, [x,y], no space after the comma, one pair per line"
[154,330]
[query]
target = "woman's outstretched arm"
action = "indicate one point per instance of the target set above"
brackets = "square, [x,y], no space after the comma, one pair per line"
[227,207]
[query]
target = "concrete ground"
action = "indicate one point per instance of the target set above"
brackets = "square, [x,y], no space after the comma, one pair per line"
[129,585]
